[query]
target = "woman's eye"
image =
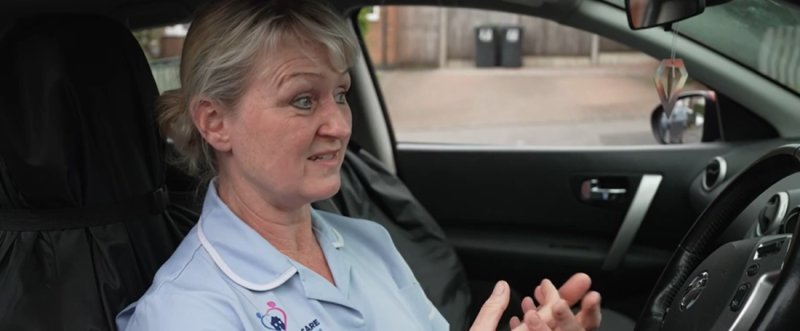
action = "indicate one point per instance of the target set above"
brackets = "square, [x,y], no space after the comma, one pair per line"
[302,103]
[341,98]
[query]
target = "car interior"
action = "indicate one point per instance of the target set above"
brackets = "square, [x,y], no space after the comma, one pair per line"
[89,207]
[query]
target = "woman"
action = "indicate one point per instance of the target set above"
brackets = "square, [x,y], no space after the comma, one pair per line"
[262,114]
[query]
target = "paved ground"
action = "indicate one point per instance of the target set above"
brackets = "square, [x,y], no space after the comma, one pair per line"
[573,105]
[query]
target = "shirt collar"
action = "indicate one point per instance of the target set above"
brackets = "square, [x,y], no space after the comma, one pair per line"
[324,229]
[241,253]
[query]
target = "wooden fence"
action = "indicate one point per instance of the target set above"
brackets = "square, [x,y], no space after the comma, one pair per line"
[418,37]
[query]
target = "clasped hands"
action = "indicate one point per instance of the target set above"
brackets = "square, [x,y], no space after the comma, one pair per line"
[553,313]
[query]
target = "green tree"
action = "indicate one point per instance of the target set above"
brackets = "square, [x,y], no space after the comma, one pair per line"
[363,24]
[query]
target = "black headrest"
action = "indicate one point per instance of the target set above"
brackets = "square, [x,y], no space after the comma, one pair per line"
[77,119]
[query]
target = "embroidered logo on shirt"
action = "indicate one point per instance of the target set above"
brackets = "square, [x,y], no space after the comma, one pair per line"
[311,326]
[274,318]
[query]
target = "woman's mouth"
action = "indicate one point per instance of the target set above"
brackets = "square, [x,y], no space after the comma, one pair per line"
[325,157]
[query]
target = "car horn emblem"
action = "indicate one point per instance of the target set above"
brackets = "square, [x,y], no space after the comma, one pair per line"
[694,290]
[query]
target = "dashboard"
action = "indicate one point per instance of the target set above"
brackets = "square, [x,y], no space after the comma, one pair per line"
[775,211]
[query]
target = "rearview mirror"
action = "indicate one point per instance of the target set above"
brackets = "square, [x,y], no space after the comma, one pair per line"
[694,119]
[643,14]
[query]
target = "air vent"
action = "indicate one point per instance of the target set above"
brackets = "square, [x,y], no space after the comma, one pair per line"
[790,223]
[714,173]
[771,216]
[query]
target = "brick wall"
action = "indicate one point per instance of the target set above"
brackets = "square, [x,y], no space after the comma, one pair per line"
[171,47]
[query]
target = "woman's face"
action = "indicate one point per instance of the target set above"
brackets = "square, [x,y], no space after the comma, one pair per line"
[289,133]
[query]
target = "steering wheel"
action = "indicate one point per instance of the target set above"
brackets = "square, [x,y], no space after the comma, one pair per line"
[750,284]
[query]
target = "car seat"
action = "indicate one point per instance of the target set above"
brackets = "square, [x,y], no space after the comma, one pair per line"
[85,221]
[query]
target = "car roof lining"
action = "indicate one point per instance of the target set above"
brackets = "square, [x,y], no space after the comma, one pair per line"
[140,14]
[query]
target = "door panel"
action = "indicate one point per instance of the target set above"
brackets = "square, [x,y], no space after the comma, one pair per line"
[519,213]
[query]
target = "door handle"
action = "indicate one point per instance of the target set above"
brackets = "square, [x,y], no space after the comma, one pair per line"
[591,191]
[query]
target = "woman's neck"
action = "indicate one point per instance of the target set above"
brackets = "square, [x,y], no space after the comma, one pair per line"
[289,231]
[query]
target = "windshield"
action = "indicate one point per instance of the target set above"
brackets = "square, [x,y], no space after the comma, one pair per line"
[764,35]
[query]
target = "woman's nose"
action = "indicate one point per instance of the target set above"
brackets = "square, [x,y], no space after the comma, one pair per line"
[337,121]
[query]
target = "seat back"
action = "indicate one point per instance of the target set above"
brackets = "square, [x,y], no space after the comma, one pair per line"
[368,191]
[84,218]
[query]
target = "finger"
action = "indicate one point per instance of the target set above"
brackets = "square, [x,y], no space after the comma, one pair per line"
[545,314]
[575,288]
[590,315]
[533,322]
[527,304]
[515,322]
[550,296]
[565,320]
[550,292]
[539,294]
[492,309]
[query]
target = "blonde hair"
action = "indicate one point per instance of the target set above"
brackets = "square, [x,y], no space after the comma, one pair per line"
[220,54]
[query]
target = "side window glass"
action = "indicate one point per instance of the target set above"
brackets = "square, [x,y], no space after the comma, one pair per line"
[466,76]
[163,47]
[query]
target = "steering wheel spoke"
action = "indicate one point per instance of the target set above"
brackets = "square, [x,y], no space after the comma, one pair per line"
[728,289]
[753,304]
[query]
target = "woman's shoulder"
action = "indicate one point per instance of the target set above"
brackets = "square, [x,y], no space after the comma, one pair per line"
[189,268]
[187,285]
[188,265]
[180,305]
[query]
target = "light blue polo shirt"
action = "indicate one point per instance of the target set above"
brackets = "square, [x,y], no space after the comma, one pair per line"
[225,276]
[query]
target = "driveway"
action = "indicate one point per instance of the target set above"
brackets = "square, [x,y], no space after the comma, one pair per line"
[579,106]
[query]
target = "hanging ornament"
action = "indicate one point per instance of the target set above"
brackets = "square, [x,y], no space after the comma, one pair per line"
[670,77]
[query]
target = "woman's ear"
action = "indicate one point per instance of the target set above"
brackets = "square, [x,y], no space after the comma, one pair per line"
[208,117]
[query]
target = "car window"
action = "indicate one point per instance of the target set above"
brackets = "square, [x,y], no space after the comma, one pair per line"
[760,34]
[163,47]
[544,84]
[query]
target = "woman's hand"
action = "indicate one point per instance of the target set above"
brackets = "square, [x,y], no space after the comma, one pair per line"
[492,310]
[570,293]
[563,320]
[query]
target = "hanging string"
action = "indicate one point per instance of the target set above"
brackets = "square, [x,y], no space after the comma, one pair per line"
[674,46]
[674,39]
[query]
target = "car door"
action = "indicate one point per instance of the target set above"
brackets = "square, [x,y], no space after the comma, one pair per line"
[543,165]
